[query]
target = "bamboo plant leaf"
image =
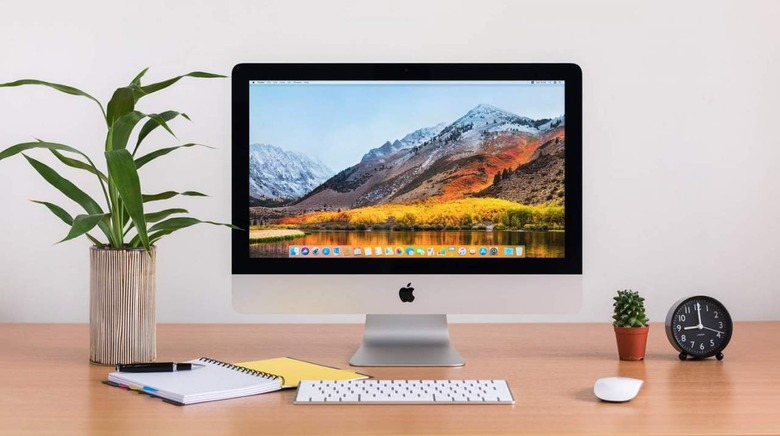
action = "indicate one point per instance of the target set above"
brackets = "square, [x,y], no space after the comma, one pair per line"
[70,190]
[59,87]
[153,238]
[120,131]
[65,186]
[137,80]
[183,222]
[58,211]
[82,224]
[158,235]
[145,159]
[171,225]
[121,103]
[75,163]
[170,194]
[67,219]
[175,224]
[20,148]
[124,175]
[154,123]
[154,217]
[148,89]
[162,122]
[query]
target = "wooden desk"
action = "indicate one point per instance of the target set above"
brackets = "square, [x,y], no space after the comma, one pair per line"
[48,386]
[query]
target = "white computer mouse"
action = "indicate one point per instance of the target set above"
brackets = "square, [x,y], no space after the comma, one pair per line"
[617,389]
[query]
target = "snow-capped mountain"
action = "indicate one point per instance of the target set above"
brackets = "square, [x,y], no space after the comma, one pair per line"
[462,158]
[488,118]
[277,174]
[411,140]
[553,123]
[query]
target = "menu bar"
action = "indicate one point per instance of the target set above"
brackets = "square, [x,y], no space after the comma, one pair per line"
[408,82]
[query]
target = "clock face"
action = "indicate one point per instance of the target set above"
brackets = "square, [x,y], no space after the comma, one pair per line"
[699,326]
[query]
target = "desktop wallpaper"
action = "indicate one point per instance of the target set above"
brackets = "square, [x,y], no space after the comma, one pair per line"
[369,169]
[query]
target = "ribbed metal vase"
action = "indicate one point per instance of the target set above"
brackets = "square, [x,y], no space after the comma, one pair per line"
[122,312]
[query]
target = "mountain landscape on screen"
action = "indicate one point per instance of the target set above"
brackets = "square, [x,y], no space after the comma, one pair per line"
[446,161]
[489,169]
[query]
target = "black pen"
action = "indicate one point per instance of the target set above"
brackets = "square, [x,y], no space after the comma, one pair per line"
[158,367]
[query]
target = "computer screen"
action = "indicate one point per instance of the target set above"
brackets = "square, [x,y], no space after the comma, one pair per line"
[407,192]
[423,169]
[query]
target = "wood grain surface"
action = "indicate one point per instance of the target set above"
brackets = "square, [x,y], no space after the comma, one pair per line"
[49,386]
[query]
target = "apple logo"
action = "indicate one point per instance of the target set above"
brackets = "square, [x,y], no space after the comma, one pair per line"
[406,293]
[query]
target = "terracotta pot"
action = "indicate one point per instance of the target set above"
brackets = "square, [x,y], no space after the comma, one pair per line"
[631,342]
[122,317]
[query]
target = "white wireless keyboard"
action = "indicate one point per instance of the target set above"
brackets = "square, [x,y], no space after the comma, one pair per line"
[404,392]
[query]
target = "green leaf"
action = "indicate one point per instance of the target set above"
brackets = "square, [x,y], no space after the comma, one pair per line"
[121,129]
[153,217]
[161,122]
[58,211]
[158,235]
[82,224]
[62,88]
[170,194]
[75,163]
[153,238]
[183,222]
[65,186]
[154,123]
[19,148]
[122,172]
[173,224]
[65,217]
[122,103]
[145,159]
[70,190]
[137,79]
[148,89]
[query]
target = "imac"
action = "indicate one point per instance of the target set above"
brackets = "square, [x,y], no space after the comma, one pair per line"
[407,192]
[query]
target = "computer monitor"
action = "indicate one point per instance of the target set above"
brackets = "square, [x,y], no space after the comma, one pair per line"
[407,192]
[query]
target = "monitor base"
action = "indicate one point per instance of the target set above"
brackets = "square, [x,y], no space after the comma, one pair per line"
[406,340]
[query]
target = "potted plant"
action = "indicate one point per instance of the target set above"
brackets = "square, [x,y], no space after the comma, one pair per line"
[123,229]
[630,325]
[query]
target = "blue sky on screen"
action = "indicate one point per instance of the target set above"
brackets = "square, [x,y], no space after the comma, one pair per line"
[338,124]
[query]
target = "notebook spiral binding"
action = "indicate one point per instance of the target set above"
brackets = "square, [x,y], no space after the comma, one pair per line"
[242,369]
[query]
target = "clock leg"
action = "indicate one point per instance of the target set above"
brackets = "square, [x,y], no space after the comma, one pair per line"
[683,356]
[719,356]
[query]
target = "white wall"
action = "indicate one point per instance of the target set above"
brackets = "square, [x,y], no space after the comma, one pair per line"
[681,156]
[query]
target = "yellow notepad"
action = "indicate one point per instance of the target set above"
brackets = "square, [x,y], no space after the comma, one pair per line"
[294,370]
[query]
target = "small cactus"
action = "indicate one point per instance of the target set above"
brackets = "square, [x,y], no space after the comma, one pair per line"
[629,309]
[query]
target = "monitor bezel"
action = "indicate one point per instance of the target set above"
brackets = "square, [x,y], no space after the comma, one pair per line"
[571,74]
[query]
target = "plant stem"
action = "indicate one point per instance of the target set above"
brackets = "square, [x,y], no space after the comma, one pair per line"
[115,218]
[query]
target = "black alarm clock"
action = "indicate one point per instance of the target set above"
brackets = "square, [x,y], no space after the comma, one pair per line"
[699,327]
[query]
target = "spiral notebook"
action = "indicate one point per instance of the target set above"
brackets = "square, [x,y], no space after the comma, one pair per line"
[294,370]
[215,381]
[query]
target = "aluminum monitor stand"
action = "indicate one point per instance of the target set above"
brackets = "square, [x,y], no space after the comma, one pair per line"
[406,340]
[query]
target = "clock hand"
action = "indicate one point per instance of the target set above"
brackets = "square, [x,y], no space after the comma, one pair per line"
[698,311]
[692,327]
[717,331]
